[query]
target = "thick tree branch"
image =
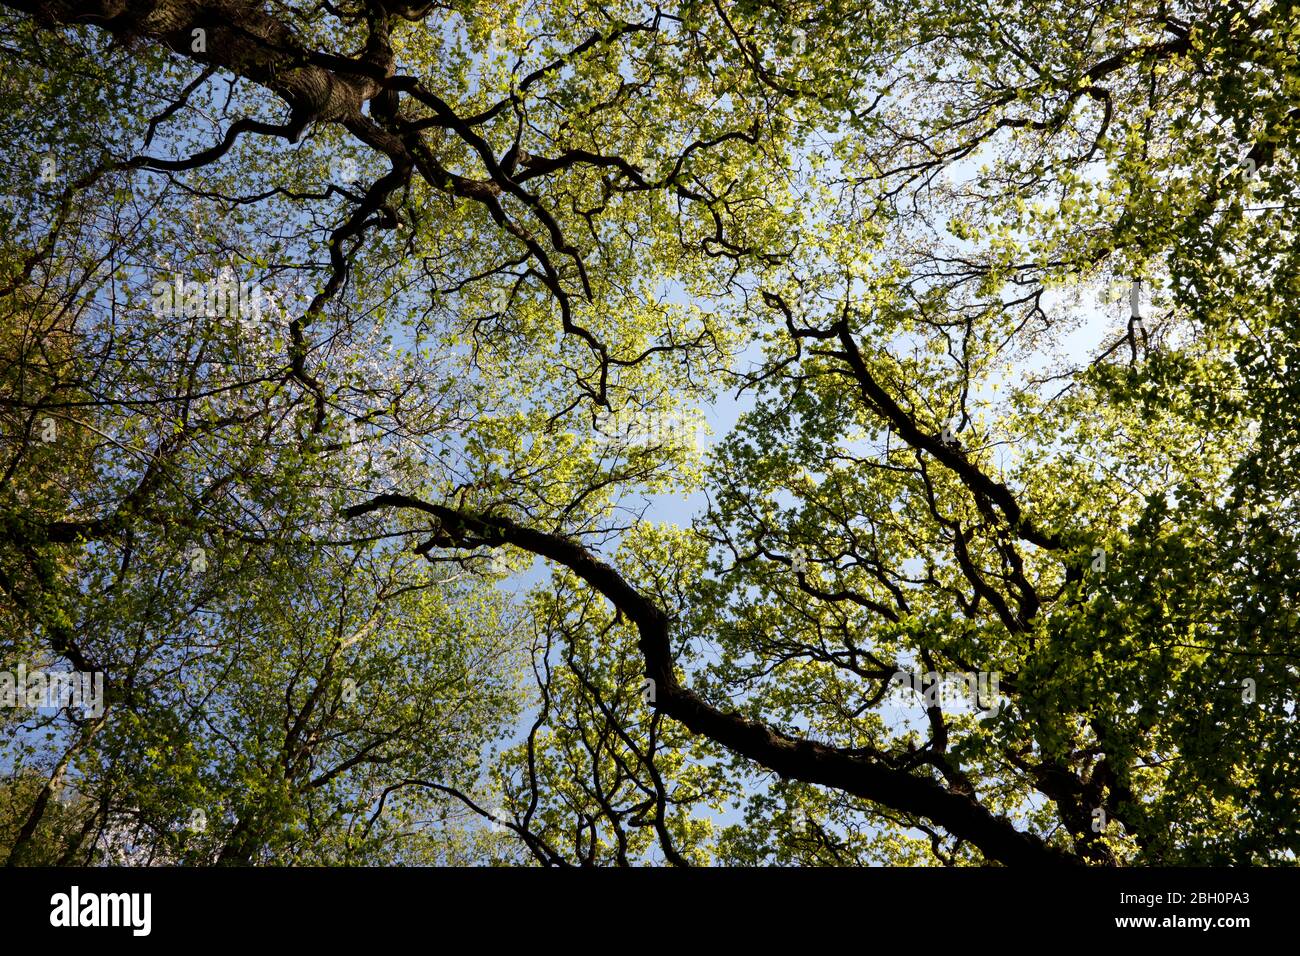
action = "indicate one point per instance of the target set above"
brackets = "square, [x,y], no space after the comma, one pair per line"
[857,774]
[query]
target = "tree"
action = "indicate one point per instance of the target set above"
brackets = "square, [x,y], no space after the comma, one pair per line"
[356,293]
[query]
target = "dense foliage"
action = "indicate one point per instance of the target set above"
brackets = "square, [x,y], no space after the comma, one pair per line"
[355,358]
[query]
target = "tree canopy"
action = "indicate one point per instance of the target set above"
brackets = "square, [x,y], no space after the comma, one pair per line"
[705,432]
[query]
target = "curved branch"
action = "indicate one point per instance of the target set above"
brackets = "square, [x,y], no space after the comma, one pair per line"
[859,774]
